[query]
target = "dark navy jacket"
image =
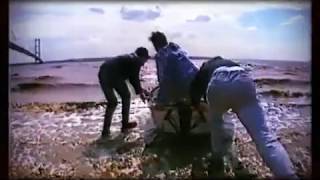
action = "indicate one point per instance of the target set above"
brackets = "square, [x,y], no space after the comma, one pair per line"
[200,82]
[121,68]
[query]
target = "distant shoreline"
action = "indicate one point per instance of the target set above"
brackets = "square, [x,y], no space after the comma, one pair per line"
[106,58]
[93,60]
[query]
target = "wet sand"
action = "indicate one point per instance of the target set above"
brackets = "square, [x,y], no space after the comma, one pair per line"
[60,140]
[56,136]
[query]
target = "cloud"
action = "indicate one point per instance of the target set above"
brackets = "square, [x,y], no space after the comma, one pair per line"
[200,18]
[97,10]
[292,20]
[252,28]
[191,36]
[175,35]
[139,15]
[24,10]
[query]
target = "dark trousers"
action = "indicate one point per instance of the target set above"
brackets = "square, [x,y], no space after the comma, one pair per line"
[184,110]
[185,115]
[108,89]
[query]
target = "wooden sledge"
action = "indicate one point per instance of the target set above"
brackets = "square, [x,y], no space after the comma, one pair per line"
[166,118]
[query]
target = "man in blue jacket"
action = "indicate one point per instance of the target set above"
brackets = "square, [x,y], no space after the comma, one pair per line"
[175,72]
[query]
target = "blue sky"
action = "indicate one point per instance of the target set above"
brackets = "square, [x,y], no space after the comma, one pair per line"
[254,30]
[283,24]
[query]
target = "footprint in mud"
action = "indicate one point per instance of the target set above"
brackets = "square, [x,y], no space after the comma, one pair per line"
[128,146]
[118,143]
[104,147]
[173,152]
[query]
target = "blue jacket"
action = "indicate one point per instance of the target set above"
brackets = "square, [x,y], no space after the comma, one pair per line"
[175,73]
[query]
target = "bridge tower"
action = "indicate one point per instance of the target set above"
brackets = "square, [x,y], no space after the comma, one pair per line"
[37,50]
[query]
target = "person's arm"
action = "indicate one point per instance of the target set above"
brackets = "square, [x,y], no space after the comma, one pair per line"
[135,80]
[157,68]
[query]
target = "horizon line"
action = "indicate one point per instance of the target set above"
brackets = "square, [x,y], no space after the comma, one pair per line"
[96,59]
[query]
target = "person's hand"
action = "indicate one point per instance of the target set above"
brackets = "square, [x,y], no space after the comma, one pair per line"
[201,107]
[146,92]
[195,107]
[143,97]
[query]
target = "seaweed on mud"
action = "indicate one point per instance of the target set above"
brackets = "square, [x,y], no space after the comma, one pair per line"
[286,94]
[29,86]
[165,157]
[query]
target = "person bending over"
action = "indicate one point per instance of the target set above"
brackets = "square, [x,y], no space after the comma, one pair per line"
[224,84]
[175,72]
[112,75]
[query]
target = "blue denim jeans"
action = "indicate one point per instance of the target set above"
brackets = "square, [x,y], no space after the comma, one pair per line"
[236,90]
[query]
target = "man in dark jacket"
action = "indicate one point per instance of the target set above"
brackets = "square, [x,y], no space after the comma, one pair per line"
[224,84]
[112,77]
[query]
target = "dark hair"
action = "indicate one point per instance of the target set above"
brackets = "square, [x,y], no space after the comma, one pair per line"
[142,52]
[158,38]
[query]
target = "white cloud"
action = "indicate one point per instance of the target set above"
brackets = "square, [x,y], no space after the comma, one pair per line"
[252,28]
[292,20]
[140,14]
[200,18]
[96,10]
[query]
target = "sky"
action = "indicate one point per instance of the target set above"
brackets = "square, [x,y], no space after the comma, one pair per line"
[245,30]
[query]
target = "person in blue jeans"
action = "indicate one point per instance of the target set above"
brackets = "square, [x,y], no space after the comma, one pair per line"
[224,85]
[175,73]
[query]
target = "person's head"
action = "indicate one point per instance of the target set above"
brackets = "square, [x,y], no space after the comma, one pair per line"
[142,54]
[158,40]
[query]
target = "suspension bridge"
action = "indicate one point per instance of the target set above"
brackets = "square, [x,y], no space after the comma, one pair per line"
[35,55]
